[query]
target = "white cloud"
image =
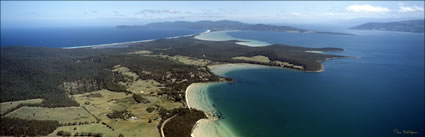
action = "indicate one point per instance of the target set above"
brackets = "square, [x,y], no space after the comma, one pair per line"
[403,8]
[366,8]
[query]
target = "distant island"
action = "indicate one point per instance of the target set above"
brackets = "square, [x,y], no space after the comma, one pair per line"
[223,25]
[416,26]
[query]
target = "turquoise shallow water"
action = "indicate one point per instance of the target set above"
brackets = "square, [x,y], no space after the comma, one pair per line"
[373,95]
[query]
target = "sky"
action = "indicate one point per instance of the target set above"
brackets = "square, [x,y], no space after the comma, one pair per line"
[110,13]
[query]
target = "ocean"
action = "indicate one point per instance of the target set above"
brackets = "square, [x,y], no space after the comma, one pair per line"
[378,94]
[86,36]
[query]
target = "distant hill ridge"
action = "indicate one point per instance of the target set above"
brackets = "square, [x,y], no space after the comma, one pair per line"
[223,25]
[416,26]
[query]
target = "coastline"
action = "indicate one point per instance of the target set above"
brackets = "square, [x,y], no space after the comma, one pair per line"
[197,98]
[131,42]
[223,36]
[197,93]
[108,45]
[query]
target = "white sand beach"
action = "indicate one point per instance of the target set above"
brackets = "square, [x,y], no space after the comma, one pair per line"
[197,97]
[320,52]
[211,128]
[130,42]
[109,45]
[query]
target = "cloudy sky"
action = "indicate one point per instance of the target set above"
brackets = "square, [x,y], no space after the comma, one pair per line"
[103,13]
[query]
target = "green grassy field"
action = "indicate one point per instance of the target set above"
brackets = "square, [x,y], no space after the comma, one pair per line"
[63,115]
[5,106]
[93,128]
[118,101]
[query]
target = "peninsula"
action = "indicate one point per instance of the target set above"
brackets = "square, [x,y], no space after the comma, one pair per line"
[126,91]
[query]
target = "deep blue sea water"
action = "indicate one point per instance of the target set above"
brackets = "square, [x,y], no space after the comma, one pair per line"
[71,37]
[370,96]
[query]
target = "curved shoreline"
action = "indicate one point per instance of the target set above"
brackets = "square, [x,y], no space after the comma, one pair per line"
[223,36]
[197,92]
[197,98]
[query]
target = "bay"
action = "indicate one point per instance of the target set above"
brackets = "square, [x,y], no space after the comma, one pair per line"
[373,95]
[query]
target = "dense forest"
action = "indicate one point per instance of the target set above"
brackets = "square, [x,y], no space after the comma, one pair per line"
[224,51]
[20,127]
[182,124]
[33,72]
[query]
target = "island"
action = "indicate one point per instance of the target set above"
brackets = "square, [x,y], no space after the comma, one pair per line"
[134,90]
[222,25]
[416,26]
